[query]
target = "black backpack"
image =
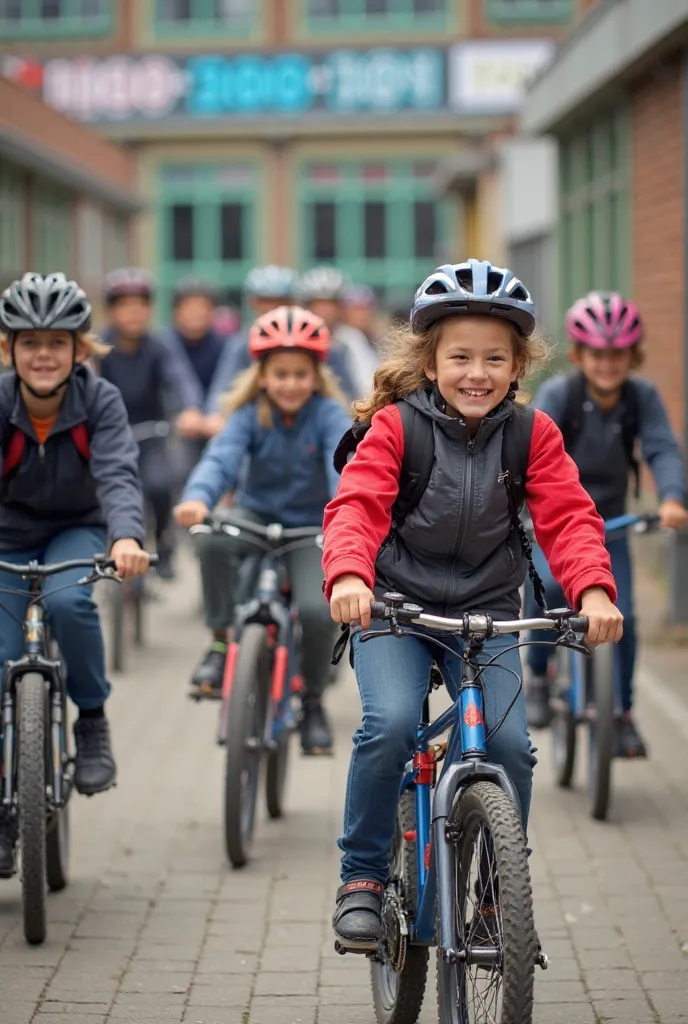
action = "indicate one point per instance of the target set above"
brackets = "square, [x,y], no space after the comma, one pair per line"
[417,463]
[571,425]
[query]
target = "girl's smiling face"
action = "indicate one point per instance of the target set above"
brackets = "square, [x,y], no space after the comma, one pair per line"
[289,378]
[474,365]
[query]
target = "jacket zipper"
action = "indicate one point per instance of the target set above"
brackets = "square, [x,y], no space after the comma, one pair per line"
[41,453]
[467,499]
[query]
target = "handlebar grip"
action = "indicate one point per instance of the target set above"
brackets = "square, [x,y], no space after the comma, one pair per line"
[578,623]
[379,610]
[154,558]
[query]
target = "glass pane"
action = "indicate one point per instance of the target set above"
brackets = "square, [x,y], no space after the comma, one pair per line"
[232,247]
[182,231]
[323,172]
[374,219]
[10,10]
[424,228]
[50,9]
[376,6]
[324,8]
[175,10]
[93,8]
[324,231]
[429,6]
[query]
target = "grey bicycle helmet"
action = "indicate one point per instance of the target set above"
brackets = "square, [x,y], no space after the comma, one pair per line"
[473,288]
[271,282]
[322,283]
[127,281]
[50,303]
[196,288]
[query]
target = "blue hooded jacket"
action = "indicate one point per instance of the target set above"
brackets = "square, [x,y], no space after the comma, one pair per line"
[284,473]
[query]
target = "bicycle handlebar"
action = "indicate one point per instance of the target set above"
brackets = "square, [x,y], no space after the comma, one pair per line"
[150,430]
[273,532]
[477,624]
[36,570]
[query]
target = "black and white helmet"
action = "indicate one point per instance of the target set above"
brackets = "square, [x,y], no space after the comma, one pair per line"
[322,283]
[473,288]
[50,303]
[128,281]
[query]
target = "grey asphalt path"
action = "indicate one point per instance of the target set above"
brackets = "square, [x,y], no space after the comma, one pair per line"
[155,928]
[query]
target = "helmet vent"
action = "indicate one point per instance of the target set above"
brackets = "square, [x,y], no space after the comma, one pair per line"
[494,282]
[465,279]
[520,293]
[437,288]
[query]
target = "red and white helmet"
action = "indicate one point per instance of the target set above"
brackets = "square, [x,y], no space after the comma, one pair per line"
[289,327]
[604,320]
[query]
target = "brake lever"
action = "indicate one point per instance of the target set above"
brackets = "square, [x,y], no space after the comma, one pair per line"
[570,640]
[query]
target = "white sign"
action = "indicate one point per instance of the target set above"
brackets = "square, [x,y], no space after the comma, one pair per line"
[491,77]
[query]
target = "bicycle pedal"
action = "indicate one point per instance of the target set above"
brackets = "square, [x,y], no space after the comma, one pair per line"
[542,960]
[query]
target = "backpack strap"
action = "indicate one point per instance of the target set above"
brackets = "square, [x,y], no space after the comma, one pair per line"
[630,429]
[571,425]
[516,437]
[416,463]
[13,453]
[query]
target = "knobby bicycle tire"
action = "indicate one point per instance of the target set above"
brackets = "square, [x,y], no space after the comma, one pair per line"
[57,835]
[31,793]
[601,730]
[484,804]
[276,774]
[245,721]
[398,997]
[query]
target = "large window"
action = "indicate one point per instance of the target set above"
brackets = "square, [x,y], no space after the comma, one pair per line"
[529,10]
[383,15]
[20,19]
[53,241]
[594,231]
[377,220]
[207,224]
[12,222]
[206,17]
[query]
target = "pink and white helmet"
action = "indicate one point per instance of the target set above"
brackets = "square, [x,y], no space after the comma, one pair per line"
[604,320]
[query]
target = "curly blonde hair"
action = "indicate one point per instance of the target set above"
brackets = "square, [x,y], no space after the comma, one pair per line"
[247,389]
[408,355]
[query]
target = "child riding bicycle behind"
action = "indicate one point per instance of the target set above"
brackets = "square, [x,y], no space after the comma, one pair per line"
[69,486]
[286,417]
[602,412]
[472,336]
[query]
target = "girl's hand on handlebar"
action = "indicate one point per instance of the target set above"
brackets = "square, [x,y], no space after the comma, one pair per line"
[350,600]
[191,513]
[605,621]
[672,514]
[129,558]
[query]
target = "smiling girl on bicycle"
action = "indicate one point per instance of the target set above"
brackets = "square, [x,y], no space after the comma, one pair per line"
[286,417]
[472,336]
[69,484]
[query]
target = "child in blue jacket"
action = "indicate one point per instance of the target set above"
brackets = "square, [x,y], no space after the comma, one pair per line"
[69,487]
[275,452]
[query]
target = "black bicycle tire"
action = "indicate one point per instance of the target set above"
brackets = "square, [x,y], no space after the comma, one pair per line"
[57,839]
[246,685]
[31,793]
[117,626]
[138,601]
[276,770]
[563,732]
[487,801]
[601,731]
[412,979]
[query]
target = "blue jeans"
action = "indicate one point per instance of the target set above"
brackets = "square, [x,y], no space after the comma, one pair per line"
[625,651]
[392,676]
[72,613]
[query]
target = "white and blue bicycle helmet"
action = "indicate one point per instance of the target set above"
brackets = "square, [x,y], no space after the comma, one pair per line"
[475,288]
[271,282]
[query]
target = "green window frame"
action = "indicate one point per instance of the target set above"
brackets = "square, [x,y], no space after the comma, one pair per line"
[33,19]
[595,181]
[514,11]
[53,246]
[207,18]
[12,220]
[378,220]
[341,16]
[207,224]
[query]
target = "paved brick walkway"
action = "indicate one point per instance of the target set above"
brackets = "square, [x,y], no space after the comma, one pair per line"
[155,928]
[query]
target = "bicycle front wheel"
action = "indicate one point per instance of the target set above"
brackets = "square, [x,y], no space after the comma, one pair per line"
[494,915]
[601,729]
[247,712]
[33,714]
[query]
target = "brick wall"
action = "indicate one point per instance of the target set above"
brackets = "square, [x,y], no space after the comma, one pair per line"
[658,219]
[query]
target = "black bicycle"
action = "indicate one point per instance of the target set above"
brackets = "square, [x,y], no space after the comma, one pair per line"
[36,763]
[261,681]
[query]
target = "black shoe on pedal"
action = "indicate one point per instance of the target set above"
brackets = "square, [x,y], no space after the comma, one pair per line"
[316,735]
[9,833]
[94,766]
[165,567]
[356,920]
[538,711]
[209,673]
[629,742]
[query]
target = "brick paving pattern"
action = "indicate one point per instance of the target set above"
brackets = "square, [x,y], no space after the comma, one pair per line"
[155,928]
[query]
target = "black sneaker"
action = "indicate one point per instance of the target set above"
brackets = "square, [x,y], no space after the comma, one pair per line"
[356,920]
[209,673]
[94,766]
[538,712]
[316,735]
[629,742]
[165,567]
[9,833]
